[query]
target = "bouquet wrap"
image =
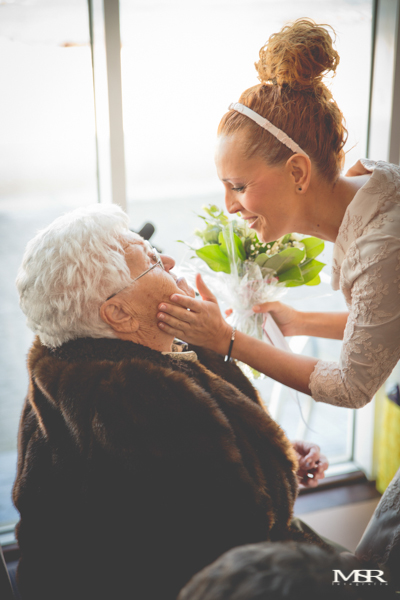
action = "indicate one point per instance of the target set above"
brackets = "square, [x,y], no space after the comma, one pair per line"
[243,272]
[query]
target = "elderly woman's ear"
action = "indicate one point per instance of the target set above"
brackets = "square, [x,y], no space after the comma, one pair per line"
[116,316]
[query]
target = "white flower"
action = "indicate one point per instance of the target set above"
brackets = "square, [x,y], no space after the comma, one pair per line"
[298,245]
[296,237]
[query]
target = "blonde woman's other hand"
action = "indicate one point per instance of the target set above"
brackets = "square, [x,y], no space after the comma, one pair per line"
[286,317]
[312,464]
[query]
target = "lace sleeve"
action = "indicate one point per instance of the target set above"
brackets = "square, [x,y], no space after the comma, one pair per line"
[371,344]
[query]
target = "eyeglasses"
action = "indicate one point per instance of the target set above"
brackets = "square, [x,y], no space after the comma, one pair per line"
[158,263]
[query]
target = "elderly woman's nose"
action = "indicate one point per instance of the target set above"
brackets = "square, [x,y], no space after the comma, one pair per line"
[168,262]
[231,203]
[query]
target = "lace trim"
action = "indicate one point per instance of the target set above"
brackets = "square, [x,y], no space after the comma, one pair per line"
[397,280]
[327,385]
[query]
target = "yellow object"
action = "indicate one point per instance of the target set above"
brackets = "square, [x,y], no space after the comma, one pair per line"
[388,441]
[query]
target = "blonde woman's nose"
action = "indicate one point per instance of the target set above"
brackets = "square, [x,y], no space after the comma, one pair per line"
[168,262]
[231,203]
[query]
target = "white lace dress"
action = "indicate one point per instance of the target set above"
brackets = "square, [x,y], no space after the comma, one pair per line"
[366,267]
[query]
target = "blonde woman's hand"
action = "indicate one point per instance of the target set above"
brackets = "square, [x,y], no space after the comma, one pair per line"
[286,317]
[195,321]
[312,464]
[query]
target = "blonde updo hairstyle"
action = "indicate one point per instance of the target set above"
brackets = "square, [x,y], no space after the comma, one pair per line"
[293,97]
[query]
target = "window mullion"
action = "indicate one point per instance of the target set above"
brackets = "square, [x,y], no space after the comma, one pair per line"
[106,60]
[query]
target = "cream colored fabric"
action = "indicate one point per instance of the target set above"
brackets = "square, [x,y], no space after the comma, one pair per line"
[181,355]
[180,351]
[366,267]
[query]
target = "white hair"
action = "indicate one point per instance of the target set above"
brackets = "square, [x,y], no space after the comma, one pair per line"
[69,269]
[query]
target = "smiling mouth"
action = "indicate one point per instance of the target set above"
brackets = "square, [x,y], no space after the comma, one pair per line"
[252,221]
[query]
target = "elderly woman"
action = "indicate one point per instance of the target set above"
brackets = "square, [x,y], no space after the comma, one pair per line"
[138,464]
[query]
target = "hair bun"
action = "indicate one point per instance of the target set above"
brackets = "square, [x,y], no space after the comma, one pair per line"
[298,56]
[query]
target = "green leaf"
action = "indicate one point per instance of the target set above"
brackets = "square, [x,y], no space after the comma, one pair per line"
[261,259]
[214,257]
[315,281]
[247,245]
[309,271]
[210,235]
[239,248]
[186,244]
[216,214]
[293,274]
[222,243]
[283,261]
[314,246]
[286,238]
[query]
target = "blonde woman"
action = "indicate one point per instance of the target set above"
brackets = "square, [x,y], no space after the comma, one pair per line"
[279,157]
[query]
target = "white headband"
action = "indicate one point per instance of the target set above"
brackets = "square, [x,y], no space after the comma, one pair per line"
[278,133]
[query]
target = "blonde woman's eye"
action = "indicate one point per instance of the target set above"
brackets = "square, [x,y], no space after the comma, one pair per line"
[238,189]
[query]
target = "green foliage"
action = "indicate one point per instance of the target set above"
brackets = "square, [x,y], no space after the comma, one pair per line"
[283,261]
[314,246]
[291,259]
[309,271]
[215,258]
[291,275]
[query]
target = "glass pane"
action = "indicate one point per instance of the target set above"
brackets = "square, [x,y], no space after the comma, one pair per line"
[48,164]
[183,63]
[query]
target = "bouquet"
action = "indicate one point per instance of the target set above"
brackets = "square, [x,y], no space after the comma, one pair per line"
[243,272]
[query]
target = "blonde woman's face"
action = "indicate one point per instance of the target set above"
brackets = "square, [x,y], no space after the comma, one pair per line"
[262,194]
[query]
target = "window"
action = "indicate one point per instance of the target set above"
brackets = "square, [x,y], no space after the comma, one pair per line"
[48,167]
[183,63]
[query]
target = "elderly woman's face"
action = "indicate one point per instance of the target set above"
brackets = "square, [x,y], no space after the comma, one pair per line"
[157,284]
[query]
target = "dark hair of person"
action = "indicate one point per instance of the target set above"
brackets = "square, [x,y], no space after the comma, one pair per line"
[274,571]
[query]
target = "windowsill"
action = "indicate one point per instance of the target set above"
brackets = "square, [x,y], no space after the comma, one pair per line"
[334,480]
[11,552]
[336,490]
[7,535]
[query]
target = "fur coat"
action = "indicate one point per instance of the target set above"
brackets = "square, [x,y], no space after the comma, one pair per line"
[136,470]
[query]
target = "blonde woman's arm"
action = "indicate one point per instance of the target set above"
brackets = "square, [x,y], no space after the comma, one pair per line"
[200,322]
[315,324]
